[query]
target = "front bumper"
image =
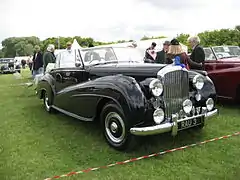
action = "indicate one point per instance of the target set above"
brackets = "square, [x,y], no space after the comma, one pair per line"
[169,126]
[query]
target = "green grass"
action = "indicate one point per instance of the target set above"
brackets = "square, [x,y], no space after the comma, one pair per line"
[37,145]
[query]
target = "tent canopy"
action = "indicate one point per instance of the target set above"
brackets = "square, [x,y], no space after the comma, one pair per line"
[75,45]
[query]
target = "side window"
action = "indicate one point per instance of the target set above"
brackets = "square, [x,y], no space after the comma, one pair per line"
[101,54]
[91,55]
[209,54]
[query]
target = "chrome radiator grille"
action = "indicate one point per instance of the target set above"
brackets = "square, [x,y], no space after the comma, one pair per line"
[176,90]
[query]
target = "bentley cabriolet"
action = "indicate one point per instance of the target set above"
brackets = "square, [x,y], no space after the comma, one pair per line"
[130,98]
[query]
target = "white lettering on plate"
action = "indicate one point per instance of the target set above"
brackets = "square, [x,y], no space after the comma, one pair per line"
[188,123]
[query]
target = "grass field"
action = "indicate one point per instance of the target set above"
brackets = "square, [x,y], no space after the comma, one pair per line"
[35,145]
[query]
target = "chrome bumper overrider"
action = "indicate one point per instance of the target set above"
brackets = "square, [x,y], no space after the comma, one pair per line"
[169,126]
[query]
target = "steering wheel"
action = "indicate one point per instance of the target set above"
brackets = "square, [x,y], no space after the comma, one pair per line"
[220,56]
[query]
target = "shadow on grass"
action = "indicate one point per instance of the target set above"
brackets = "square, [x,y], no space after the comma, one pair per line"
[147,144]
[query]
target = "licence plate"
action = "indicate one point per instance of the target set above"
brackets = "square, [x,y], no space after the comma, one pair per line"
[189,123]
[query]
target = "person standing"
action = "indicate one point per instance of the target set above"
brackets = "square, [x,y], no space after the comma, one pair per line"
[67,57]
[48,56]
[176,52]
[69,46]
[162,55]
[150,53]
[197,56]
[30,63]
[37,66]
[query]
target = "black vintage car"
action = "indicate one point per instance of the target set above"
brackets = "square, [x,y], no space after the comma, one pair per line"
[129,97]
[7,65]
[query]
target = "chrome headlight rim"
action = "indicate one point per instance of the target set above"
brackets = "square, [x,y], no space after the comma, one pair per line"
[158,116]
[156,87]
[187,106]
[210,104]
[198,81]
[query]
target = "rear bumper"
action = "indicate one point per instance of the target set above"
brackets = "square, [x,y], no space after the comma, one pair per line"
[169,126]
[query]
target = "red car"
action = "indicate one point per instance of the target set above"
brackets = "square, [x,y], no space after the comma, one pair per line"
[223,66]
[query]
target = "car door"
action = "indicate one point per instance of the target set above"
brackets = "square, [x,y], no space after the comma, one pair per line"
[211,62]
[66,79]
[212,66]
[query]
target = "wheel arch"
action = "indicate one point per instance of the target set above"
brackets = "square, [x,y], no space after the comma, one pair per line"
[101,103]
[44,87]
[125,92]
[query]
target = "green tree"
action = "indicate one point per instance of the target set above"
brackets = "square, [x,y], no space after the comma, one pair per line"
[182,38]
[220,37]
[121,41]
[153,37]
[1,53]
[19,45]
[237,27]
[145,38]
[19,48]
[29,49]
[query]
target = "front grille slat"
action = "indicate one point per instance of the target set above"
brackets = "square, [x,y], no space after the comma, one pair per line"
[176,90]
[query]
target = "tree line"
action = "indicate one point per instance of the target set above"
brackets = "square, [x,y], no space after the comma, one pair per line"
[24,46]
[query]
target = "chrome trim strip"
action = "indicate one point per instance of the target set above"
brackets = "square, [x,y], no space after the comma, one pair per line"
[188,118]
[72,114]
[169,68]
[167,127]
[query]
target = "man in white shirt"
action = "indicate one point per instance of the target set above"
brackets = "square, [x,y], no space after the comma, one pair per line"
[66,58]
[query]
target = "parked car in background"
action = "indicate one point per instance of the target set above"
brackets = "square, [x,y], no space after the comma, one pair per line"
[7,65]
[222,64]
[130,98]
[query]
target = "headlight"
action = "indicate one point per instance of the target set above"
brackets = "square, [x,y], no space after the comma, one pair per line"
[198,82]
[187,106]
[158,116]
[156,87]
[209,104]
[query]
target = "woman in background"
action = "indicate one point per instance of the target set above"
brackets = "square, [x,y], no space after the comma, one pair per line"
[175,50]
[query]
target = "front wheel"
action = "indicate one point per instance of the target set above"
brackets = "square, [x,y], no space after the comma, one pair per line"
[115,127]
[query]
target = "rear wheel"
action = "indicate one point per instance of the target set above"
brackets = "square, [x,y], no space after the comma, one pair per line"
[115,127]
[47,102]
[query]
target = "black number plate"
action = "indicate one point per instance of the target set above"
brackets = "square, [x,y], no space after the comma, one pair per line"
[189,123]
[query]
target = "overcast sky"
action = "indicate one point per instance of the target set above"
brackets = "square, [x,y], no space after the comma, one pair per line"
[107,20]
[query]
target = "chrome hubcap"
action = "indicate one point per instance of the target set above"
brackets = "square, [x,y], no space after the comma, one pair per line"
[115,127]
